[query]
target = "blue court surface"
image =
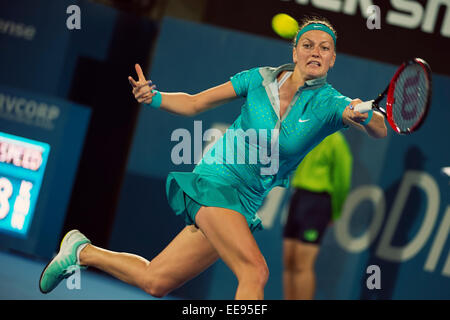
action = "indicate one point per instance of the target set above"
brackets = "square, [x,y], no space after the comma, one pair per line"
[19,277]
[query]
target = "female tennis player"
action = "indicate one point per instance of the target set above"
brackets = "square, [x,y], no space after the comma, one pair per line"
[219,200]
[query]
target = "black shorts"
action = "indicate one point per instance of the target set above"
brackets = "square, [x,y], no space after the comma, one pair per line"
[309,215]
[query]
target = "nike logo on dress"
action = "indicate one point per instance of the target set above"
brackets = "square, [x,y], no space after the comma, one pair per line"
[300,120]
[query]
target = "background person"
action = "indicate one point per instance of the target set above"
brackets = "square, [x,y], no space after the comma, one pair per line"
[321,183]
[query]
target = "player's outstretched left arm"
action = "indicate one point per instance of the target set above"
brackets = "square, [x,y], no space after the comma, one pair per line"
[375,128]
[179,102]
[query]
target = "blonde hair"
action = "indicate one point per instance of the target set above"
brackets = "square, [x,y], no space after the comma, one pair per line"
[313,19]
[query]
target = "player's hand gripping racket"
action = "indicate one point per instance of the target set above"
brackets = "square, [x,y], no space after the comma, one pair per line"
[408,97]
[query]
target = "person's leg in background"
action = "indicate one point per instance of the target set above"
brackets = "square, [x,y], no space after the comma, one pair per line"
[309,216]
[299,276]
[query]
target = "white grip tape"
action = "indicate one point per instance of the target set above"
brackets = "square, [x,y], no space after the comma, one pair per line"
[364,106]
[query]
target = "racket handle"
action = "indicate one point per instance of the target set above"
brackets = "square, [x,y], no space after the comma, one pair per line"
[364,106]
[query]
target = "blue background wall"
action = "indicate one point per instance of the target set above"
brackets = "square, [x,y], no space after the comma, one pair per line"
[70,69]
[401,174]
[65,136]
[39,68]
[190,57]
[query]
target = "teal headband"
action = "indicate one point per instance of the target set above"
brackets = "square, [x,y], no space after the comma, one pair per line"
[316,26]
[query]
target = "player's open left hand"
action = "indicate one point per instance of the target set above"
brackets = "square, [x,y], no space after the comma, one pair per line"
[142,89]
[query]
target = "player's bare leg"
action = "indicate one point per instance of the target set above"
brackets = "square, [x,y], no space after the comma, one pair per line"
[186,256]
[228,232]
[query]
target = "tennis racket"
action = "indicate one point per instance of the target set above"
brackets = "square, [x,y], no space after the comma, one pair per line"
[408,97]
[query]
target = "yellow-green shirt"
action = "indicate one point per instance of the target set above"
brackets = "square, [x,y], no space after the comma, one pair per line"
[327,168]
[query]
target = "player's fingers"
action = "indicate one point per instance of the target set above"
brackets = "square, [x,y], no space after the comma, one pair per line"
[139,88]
[139,73]
[141,94]
[136,90]
[132,82]
[146,83]
[354,102]
[147,98]
[359,117]
[151,87]
[362,116]
[143,91]
[140,85]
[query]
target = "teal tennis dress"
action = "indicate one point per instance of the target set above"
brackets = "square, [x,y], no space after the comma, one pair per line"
[259,150]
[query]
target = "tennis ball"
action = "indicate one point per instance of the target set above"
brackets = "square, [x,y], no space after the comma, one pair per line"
[284,25]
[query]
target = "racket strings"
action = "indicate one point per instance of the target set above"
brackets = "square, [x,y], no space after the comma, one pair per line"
[411,97]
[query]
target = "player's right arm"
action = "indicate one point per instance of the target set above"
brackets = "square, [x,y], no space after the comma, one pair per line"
[180,102]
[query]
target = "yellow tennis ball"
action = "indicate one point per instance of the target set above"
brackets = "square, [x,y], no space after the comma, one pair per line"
[284,25]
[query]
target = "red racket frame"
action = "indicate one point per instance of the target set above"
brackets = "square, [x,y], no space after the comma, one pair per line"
[390,96]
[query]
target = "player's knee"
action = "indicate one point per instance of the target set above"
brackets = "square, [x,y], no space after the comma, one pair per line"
[258,276]
[256,272]
[262,274]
